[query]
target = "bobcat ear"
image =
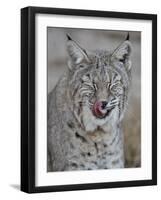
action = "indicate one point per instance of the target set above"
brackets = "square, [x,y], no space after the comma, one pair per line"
[76,53]
[122,53]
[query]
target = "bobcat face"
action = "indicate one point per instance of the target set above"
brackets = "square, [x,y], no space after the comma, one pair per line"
[98,84]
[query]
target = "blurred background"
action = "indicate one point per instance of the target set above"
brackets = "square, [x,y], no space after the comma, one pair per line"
[108,40]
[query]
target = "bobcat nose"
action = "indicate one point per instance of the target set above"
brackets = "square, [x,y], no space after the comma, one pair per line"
[103,104]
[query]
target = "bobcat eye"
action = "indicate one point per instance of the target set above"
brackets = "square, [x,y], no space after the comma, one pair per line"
[116,89]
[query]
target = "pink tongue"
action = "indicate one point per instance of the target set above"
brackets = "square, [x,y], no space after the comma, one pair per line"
[97,109]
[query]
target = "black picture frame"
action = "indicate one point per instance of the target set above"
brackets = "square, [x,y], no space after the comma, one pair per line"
[28,98]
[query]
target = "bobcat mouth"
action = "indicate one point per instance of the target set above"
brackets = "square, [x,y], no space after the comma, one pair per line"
[99,112]
[101,116]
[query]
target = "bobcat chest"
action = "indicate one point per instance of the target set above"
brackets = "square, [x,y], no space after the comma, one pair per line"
[92,151]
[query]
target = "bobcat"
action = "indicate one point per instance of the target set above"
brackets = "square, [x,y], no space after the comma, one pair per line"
[86,108]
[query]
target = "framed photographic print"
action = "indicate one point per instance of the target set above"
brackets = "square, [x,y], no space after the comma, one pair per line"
[88,99]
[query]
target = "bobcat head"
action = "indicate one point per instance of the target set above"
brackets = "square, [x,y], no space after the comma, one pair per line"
[98,83]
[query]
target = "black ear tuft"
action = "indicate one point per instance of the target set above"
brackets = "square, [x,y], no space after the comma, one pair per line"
[68,37]
[128,37]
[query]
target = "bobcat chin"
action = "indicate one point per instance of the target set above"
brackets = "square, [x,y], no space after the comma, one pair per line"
[86,108]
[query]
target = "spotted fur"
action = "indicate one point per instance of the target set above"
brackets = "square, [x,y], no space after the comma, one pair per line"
[77,139]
